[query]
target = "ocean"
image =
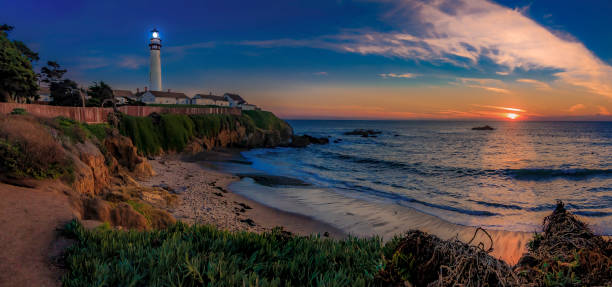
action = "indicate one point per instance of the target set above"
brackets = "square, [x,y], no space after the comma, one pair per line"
[505,179]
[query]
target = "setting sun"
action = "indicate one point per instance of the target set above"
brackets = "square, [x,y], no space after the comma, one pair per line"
[512,116]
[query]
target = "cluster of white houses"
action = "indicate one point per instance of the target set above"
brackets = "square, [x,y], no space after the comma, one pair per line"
[169,98]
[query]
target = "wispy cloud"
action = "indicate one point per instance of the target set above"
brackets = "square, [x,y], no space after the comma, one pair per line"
[510,109]
[123,61]
[403,76]
[537,84]
[91,63]
[463,33]
[603,111]
[320,73]
[182,49]
[132,62]
[492,85]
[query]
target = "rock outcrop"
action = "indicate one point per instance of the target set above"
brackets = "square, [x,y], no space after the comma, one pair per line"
[363,133]
[239,136]
[91,174]
[126,155]
[483,128]
[306,140]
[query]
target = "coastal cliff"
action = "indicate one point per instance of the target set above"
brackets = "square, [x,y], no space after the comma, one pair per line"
[168,133]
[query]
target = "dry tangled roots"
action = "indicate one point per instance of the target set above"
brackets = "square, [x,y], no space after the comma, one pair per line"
[426,260]
[566,253]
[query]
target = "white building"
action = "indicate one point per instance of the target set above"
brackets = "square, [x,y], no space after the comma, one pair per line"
[155,78]
[200,99]
[164,98]
[234,100]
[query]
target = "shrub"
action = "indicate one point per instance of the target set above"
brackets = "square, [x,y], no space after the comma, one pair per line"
[18,111]
[265,120]
[176,131]
[153,134]
[143,133]
[79,132]
[27,149]
[183,255]
[97,130]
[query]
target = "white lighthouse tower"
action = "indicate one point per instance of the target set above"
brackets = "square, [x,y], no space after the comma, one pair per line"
[155,81]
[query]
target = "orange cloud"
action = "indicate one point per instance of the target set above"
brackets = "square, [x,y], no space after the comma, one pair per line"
[576,107]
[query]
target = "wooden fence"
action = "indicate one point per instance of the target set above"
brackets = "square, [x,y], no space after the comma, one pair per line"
[99,115]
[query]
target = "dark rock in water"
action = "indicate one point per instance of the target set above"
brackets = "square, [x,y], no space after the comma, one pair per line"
[363,133]
[315,140]
[274,180]
[483,128]
[337,140]
[305,140]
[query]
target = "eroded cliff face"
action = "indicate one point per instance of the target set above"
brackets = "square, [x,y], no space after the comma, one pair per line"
[240,137]
[95,165]
[125,155]
[91,174]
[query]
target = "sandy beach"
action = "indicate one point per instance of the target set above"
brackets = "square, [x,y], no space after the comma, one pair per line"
[205,199]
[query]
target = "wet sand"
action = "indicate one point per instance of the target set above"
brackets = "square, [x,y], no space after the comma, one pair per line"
[205,198]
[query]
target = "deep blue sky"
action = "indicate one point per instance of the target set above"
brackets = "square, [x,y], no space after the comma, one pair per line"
[218,46]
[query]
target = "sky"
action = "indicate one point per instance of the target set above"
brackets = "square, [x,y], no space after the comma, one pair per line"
[342,59]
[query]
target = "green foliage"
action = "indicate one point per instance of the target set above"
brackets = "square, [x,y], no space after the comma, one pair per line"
[265,120]
[173,131]
[98,93]
[176,131]
[97,130]
[64,92]
[183,255]
[210,125]
[18,111]
[15,161]
[17,78]
[143,133]
[79,132]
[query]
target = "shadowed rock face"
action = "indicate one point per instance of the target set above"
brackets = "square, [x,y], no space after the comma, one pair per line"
[126,155]
[91,172]
[93,169]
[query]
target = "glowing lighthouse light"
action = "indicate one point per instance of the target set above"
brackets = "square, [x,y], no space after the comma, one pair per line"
[155,34]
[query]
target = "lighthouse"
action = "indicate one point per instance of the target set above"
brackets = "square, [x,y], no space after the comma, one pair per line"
[155,81]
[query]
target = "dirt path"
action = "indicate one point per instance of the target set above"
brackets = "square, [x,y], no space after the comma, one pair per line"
[28,222]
